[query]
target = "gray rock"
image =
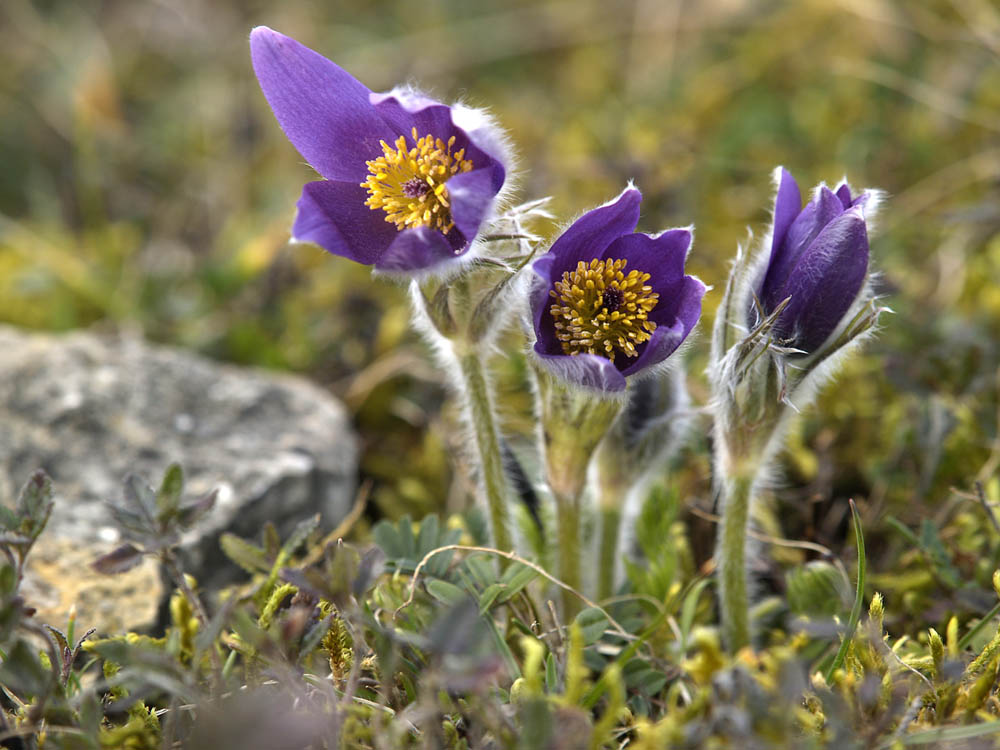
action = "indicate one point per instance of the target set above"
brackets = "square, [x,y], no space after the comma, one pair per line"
[90,409]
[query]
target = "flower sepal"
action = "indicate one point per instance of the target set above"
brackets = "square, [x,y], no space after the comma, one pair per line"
[472,303]
[573,423]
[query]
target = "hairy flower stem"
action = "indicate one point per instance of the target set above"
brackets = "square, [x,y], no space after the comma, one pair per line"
[573,423]
[611,519]
[482,416]
[730,553]
[568,532]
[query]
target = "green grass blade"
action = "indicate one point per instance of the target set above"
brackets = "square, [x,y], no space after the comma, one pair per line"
[859,598]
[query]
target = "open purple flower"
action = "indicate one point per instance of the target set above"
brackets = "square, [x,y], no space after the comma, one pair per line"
[406,187]
[818,261]
[609,302]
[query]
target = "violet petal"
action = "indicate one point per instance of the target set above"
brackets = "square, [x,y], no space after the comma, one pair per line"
[803,230]
[333,214]
[471,195]
[418,249]
[787,205]
[844,193]
[662,344]
[590,235]
[662,256]
[586,370]
[826,281]
[323,110]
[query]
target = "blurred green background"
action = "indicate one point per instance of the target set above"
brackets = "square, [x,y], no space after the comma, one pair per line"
[145,184]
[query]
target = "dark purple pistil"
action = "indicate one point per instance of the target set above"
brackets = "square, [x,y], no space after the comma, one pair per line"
[415,188]
[612,298]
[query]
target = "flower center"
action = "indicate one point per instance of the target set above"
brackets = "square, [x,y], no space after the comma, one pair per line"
[600,309]
[408,183]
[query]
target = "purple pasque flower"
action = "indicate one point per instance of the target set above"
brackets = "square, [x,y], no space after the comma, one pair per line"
[405,188]
[818,260]
[609,302]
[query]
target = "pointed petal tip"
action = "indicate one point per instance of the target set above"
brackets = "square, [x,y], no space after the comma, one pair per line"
[264,35]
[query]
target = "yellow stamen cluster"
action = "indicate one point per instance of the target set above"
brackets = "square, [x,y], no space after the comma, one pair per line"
[408,183]
[601,310]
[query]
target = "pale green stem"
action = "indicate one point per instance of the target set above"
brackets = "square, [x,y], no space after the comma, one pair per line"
[611,519]
[568,530]
[494,481]
[730,553]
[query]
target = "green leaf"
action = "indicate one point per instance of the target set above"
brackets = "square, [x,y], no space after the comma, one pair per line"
[593,622]
[35,504]
[8,519]
[22,671]
[551,675]
[427,537]
[937,555]
[488,596]
[59,637]
[690,608]
[168,497]
[859,598]
[444,592]
[272,542]
[516,577]
[388,539]
[248,556]
[639,675]
[480,570]
[299,534]
[315,634]
[941,736]
[141,497]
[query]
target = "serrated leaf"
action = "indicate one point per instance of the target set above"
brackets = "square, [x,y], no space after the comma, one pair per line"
[299,534]
[248,556]
[130,522]
[118,560]
[191,513]
[59,636]
[168,497]
[140,497]
[592,622]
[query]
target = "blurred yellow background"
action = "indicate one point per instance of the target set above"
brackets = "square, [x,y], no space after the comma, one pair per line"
[145,183]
